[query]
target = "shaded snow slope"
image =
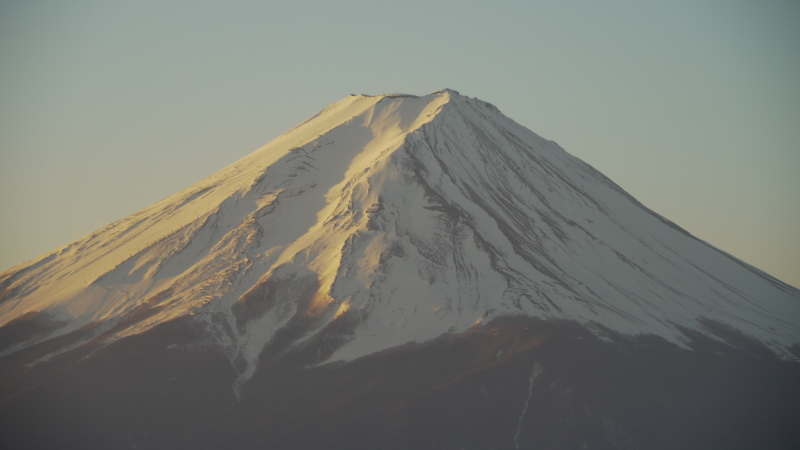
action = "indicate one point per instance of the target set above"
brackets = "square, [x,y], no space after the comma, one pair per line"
[389,219]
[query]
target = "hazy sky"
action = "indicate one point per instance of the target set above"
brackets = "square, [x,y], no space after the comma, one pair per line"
[693,107]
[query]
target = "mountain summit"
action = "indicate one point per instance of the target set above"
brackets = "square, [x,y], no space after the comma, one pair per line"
[379,222]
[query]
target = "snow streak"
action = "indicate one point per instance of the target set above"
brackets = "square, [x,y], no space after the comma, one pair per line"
[537,370]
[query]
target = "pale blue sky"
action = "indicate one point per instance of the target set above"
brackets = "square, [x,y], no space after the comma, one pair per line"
[691,106]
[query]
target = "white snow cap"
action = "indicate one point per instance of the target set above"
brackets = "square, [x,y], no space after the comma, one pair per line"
[394,218]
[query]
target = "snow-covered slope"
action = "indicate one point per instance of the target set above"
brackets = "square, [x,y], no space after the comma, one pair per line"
[395,218]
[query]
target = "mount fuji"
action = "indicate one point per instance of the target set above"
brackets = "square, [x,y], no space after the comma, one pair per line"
[398,272]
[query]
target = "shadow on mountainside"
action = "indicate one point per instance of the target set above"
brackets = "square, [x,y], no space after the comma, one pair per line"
[168,388]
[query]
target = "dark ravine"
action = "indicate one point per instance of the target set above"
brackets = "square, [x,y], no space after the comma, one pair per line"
[167,389]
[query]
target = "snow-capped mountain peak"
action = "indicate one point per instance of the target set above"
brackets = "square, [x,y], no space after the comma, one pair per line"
[389,219]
